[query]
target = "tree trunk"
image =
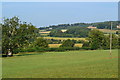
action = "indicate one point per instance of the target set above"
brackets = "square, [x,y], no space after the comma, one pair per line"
[9,53]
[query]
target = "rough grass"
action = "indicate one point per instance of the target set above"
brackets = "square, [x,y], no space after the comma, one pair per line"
[72,64]
[57,45]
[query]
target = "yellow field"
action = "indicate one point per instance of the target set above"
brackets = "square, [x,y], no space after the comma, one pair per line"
[78,45]
[45,32]
[59,38]
[57,45]
[54,45]
[64,30]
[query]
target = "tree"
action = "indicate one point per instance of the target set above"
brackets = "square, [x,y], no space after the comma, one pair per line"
[96,39]
[78,31]
[56,33]
[68,43]
[41,42]
[16,35]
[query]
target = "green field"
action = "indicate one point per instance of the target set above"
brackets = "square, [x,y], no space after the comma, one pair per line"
[69,64]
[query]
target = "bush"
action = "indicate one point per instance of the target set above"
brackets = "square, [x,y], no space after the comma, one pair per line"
[41,42]
[68,43]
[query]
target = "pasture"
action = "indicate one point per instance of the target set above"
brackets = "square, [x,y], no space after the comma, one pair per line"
[69,64]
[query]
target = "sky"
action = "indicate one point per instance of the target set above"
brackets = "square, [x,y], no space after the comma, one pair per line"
[52,13]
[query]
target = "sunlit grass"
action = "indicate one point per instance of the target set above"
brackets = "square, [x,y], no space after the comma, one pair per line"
[69,64]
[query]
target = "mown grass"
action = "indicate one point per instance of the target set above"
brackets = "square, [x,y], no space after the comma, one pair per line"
[71,64]
[58,45]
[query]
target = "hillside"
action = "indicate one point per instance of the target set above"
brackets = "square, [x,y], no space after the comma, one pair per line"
[99,25]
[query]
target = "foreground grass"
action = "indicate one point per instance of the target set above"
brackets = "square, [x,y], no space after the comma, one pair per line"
[71,64]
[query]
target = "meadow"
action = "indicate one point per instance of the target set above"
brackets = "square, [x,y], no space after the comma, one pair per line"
[69,64]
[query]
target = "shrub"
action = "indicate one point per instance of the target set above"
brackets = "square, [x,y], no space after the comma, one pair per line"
[68,43]
[41,42]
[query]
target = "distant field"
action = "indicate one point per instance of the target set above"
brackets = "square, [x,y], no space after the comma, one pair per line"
[60,38]
[107,30]
[43,34]
[69,64]
[47,32]
[57,45]
[54,45]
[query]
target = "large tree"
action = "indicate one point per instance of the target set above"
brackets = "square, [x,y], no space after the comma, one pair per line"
[16,35]
[96,38]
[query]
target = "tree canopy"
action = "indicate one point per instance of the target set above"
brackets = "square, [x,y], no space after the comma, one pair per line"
[16,35]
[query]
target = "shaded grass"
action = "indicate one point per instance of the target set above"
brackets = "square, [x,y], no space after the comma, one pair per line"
[71,64]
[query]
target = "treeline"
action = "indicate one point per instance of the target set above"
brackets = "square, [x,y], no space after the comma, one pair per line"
[97,40]
[55,41]
[71,32]
[99,25]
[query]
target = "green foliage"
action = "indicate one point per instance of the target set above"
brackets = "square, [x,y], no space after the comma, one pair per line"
[99,25]
[78,31]
[55,33]
[85,44]
[71,32]
[97,40]
[106,24]
[118,32]
[41,42]
[68,43]
[16,35]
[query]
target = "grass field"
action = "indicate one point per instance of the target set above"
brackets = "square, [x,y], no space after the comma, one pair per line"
[60,38]
[57,45]
[70,64]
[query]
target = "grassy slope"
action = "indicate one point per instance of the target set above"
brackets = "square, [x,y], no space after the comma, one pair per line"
[72,64]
